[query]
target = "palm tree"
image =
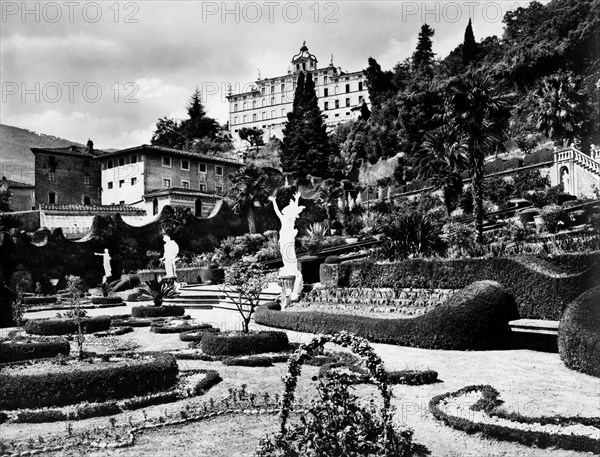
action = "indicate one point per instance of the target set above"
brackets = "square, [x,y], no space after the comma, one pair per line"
[443,162]
[250,186]
[477,111]
[330,191]
[560,110]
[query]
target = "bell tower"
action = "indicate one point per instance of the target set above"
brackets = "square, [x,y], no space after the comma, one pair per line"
[304,60]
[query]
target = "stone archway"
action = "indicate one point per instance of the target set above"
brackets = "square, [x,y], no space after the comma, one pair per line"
[198,207]
[565,179]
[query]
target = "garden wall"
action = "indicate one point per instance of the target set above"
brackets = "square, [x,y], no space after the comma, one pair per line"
[541,289]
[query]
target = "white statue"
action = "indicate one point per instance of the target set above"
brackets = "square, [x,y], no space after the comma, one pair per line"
[287,240]
[105,263]
[170,256]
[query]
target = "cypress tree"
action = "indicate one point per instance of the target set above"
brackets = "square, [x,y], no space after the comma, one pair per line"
[422,58]
[469,49]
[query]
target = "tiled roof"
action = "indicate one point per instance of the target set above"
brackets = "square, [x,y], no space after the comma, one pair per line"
[180,191]
[70,150]
[177,152]
[93,208]
[16,184]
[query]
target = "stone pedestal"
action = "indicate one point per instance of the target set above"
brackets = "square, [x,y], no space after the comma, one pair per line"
[287,287]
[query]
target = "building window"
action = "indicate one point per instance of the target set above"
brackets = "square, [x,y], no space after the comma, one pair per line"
[337,104]
[283,88]
[253,103]
[121,182]
[219,189]
[166,182]
[202,187]
[52,198]
[326,106]
[283,99]
[254,117]
[325,79]
[360,85]
[235,107]
[272,100]
[262,90]
[235,120]
[110,185]
[51,176]
[347,102]
[202,168]
[272,89]
[337,114]
[325,92]
[244,119]
[316,80]
[272,114]
[166,162]
[86,163]
[185,165]
[134,158]
[86,200]
[282,112]
[86,179]
[244,106]
[347,88]
[264,115]
[185,184]
[133,181]
[121,161]
[218,170]
[52,162]
[360,99]
[110,164]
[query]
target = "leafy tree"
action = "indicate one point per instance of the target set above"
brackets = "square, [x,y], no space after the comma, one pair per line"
[443,162]
[250,186]
[469,49]
[253,136]
[561,108]
[422,58]
[477,111]
[306,148]
[330,192]
[379,82]
[5,194]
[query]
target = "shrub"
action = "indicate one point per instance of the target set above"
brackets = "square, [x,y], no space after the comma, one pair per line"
[159,290]
[39,300]
[412,377]
[25,349]
[274,305]
[157,311]
[331,259]
[554,218]
[164,328]
[103,383]
[476,318]
[196,335]
[244,343]
[130,322]
[258,361]
[106,300]
[66,326]
[541,290]
[460,238]
[579,335]
[411,234]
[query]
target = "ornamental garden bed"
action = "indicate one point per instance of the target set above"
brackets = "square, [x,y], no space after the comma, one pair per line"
[196,335]
[236,343]
[66,326]
[189,384]
[157,311]
[173,325]
[26,348]
[39,300]
[66,381]
[106,300]
[475,409]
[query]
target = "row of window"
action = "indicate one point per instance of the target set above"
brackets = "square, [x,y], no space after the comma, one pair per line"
[186,185]
[53,163]
[110,184]
[185,166]
[122,161]
[286,98]
[53,199]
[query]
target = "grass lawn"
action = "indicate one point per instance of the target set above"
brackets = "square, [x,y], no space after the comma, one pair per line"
[532,383]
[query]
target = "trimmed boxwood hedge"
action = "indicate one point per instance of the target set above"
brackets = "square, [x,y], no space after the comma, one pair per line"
[475,318]
[244,343]
[106,300]
[164,328]
[39,300]
[541,289]
[158,311]
[196,335]
[66,326]
[579,333]
[93,385]
[120,321]
[255,361]
[25,349]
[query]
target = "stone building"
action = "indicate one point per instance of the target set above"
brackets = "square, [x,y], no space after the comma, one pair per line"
[266,104]
[151,177]
[67,176]
[22,196]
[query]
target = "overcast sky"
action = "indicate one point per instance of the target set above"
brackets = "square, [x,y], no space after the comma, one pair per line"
[107,71]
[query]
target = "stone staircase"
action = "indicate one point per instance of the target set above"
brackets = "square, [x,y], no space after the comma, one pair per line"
[209,297]
[588,163]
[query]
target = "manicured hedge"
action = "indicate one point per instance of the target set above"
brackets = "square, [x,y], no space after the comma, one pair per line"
[39,300]
[94,385]
[106,300]
[164,328]
[244,343]
[157,311]
[412,377]
[540,439]
[257,361]
[579,333]
[66,326]
[196,335]
[24,349]
[475,318]
[119,321]
[540,289]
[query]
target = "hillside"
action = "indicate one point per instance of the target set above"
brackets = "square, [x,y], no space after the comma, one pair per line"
[16,158]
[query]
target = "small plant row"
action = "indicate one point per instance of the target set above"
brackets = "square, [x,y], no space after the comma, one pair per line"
[88,410]
[66,326]
[379,296]
[164,327]
[538,438]
[357,374]
[32,348]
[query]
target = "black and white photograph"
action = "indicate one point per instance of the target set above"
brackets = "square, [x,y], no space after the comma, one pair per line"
[302,228]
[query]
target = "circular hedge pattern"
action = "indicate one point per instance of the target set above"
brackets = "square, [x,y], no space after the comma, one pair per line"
[25,349]
[66,326]
[84,381]
[106,300]
[157,311]
[244,343]
[579,333]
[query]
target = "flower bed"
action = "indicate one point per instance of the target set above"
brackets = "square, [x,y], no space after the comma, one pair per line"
[13,350]
[244,343]
[569,433]
[52,383]
[157,311]
[475,318]
[121,321]
[66,326]
[106,300]
[196,335]
[39,300]
[190,384]
[178,326]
